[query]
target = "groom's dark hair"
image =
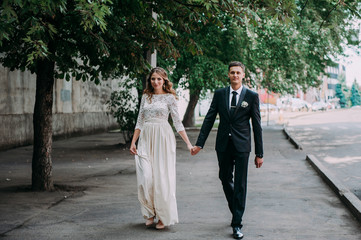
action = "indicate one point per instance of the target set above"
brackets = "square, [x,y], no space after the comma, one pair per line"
[235,63]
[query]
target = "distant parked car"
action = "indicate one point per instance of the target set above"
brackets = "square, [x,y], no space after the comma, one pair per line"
[330,105]
[299,105]
[264,107]
[319,106]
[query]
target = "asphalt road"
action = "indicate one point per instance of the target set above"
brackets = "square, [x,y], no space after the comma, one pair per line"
[334,137]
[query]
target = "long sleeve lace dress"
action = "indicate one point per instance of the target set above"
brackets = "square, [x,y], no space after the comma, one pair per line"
[156,157]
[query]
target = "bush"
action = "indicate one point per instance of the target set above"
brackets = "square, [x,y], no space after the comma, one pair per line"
[123,106]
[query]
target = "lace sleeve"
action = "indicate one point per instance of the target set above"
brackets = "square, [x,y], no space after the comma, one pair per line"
[140,119]
[173,108]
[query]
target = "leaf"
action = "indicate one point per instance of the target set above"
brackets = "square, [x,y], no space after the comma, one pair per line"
[61,75]
[78,76]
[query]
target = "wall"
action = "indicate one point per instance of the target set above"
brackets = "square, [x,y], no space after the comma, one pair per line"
[78,108]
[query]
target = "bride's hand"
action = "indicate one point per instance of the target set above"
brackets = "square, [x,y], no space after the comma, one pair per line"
[189,146]
[133,149]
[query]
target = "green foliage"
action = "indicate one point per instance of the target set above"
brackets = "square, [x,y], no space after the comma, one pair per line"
[343,91]
[289,41]
[355,97]
[65,32]
[297,53]
[122,105]
[133,30]
[206,70]
[341,95]
[206,66]
[284,44]
[94,40]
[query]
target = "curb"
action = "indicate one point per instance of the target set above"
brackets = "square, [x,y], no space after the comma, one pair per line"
[293,141]
[346,196]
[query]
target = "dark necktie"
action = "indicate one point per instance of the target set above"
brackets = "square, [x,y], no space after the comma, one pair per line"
[233,102]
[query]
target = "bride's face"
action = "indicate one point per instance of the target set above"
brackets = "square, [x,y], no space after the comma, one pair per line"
[157,82]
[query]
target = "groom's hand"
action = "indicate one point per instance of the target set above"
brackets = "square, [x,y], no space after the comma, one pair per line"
[195,150]
[258,161]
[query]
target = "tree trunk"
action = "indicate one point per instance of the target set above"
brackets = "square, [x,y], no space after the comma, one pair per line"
[42,123]
[188,119]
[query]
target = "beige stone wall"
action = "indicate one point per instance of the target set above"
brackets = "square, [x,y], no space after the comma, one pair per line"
[79,107]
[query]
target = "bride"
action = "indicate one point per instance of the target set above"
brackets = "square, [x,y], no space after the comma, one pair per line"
[155,156]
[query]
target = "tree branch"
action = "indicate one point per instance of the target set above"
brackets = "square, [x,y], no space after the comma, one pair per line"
[329,13]
[304,6]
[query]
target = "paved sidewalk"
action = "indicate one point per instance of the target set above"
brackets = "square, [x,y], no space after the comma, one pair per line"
[286,198]
[331,140]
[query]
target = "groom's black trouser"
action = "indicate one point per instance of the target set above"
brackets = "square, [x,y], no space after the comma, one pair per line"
[235,190]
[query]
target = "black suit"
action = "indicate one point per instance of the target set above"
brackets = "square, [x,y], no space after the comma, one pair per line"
[233,151]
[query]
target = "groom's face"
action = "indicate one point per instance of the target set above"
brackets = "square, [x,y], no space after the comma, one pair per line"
[236,75]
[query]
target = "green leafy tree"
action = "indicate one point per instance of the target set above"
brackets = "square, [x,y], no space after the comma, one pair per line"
[89,40]
[205,70]
[284,45]
[343,91]
[297,53]
[355,97]
[51,39]
[95,40]
[341,95]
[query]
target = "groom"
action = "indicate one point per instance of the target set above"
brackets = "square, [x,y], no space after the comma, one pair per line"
[236,105]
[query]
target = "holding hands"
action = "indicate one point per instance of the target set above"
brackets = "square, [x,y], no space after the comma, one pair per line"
[195,150]
[190,147]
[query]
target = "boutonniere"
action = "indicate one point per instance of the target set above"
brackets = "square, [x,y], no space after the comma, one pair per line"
[244,104]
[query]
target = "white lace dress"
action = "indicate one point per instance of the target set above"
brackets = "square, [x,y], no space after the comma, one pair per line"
[156,157]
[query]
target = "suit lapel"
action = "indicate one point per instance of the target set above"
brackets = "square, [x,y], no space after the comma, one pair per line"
[227,100]
[241,97]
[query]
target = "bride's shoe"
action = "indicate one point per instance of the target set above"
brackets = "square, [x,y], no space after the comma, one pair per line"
[159,225]
[149,221]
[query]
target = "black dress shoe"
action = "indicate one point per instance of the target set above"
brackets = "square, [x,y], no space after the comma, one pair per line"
[237,234]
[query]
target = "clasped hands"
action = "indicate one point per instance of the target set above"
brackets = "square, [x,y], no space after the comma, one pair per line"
[194,150]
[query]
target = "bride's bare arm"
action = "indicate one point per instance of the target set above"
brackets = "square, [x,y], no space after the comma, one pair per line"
[185,139]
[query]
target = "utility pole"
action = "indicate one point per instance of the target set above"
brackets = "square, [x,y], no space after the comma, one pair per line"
[152,53]
[151,56]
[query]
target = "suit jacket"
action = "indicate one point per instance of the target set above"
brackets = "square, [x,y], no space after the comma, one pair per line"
[237,124]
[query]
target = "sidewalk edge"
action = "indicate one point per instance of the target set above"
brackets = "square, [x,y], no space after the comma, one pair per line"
[293,141]
[346,196]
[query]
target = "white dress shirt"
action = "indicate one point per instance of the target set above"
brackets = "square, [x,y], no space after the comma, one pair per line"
[239,90]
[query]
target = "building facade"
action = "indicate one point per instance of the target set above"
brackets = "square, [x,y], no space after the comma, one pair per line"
[326,92]
[78,107]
